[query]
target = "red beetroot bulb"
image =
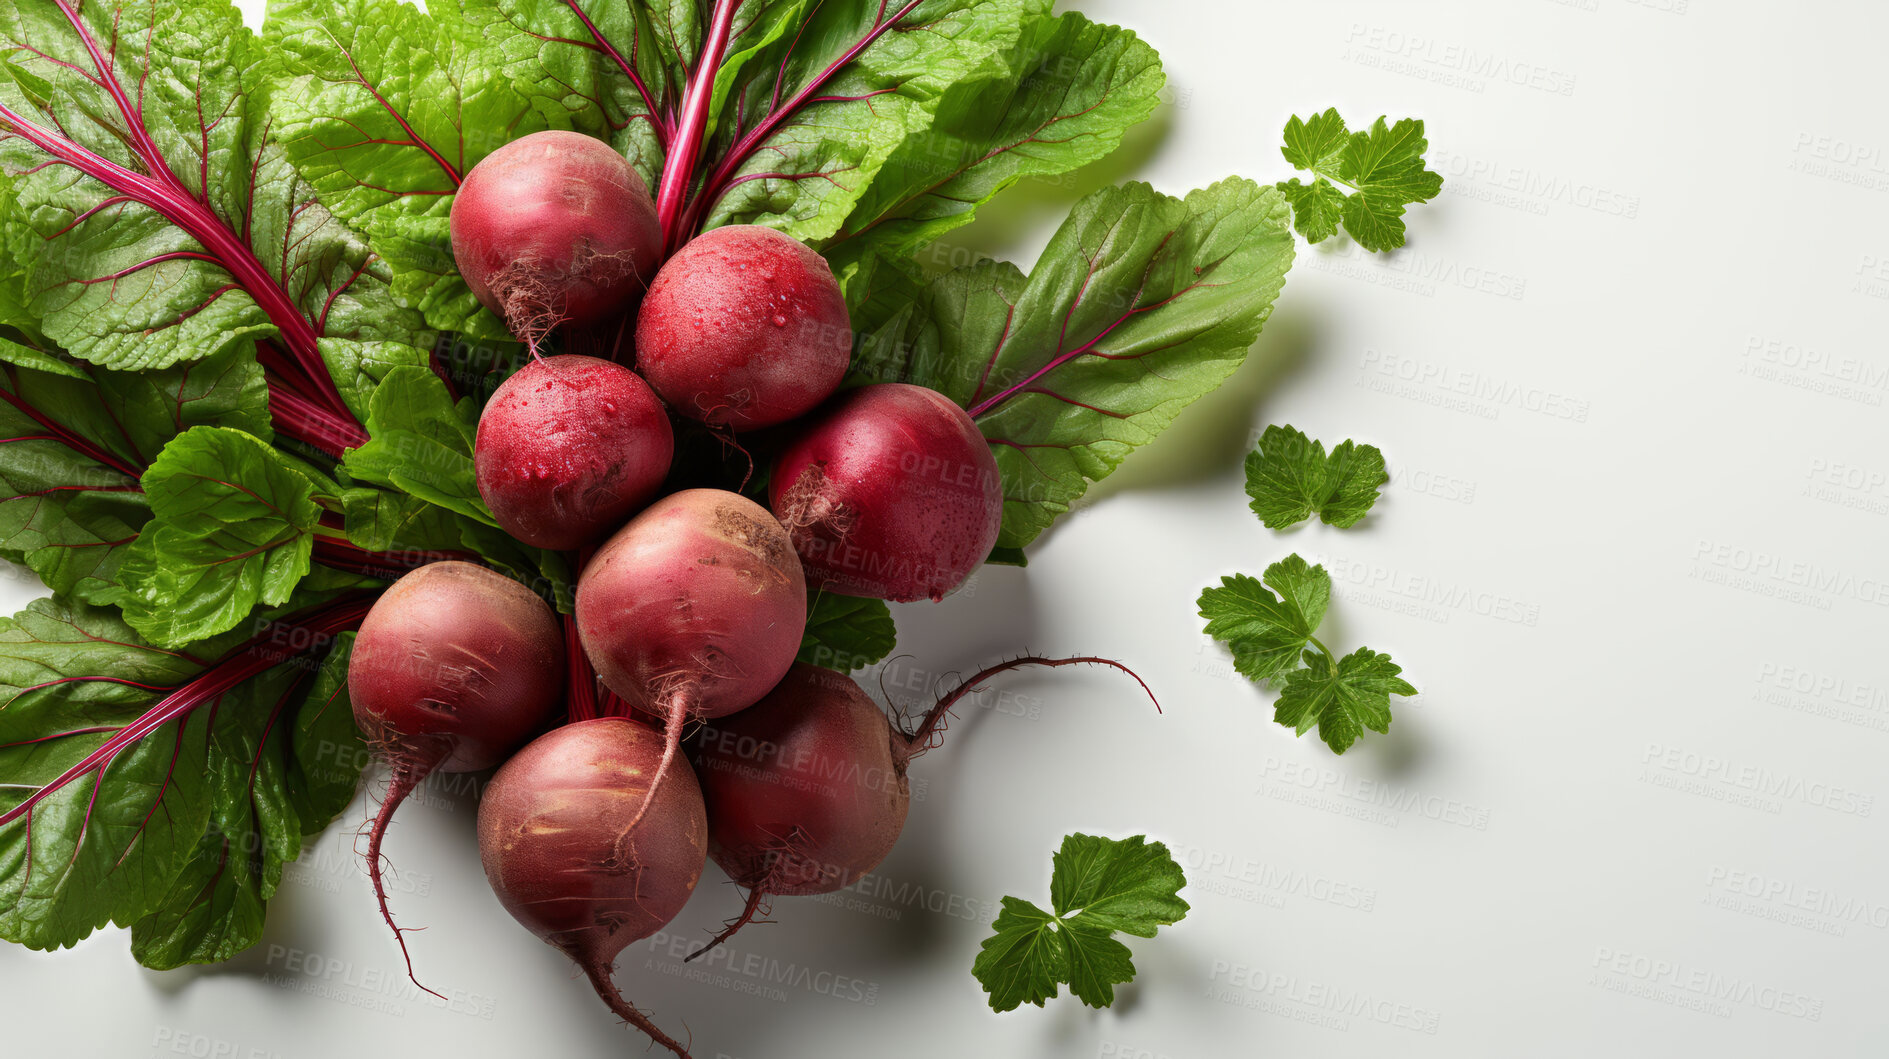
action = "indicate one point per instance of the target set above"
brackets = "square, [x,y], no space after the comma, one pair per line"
[568,448]
[744,327]
[890,492]
[555,228]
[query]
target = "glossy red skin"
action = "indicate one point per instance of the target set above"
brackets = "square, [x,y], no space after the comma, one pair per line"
[700,589]
[890,492]
[744,327]
[565,211]
[569,447]
[459,654]
[816,760]
[554,841]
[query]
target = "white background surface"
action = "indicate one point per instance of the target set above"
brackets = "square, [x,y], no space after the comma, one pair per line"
[1630,379]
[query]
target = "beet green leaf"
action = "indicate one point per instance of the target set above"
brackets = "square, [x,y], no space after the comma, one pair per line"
[846,632]
[122,760]
[76,441]
[232,527]
[156,221]
[1060,98]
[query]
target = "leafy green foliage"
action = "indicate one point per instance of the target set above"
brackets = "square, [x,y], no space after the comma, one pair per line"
[232,526]
[140,838]
[421,443]
[176,227]
[77,438]
[1383,166]
[846,632]
[1269,636]
[1098,887]
[1341,698]
[1290,478]
[1140,304]
[1267,632]
[1060,98]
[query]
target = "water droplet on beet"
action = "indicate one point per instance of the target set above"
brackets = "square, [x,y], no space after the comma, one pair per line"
[779,320]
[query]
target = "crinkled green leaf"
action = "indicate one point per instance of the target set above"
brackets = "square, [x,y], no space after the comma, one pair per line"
[847,632]
[1316,208]
[137,836]
[91,853]
[809,118]
[1289,478]
[1140,304]
[1266,632]
[156,219]
[1023,960]
[608,68]
[1315,143]
[1383,166]
[421,443]
[232,527]
[75,444]
[1342,699]
[283,760]
[1098,887]
[1062,97]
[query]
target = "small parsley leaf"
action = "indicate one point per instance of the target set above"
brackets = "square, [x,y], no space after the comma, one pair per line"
[1272,639]
[1290,478]
[1098,887]
[1342,699]
[1383,166]
[1268,632]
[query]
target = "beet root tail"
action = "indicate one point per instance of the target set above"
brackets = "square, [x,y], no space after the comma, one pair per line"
[678,708]
[932,727]
[407,775]
[756,897]
[599,974]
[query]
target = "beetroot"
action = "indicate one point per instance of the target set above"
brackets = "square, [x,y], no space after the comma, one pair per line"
[581,847]
[454,667]
[807,789]
[693,610]
[568,448]
[890,492]
[744,327]
[555,228]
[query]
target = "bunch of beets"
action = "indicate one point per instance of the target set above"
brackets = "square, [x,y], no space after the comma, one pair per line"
[690,606]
